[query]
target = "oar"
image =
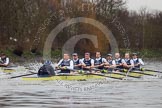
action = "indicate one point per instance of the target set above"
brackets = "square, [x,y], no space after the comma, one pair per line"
[128,71]
[32,73]
[144,73]
[7,70]
[88,72]
[106,75]
[142,69]
[129,74]
[133,75]
[23,75]
[106,72]
[138,72]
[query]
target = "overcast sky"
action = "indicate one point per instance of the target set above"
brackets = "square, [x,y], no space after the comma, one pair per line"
[150,4]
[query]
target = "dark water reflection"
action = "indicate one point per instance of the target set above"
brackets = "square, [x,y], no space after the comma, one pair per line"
[110,94]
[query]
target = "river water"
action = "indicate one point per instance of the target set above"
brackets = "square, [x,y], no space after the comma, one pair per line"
[137,93]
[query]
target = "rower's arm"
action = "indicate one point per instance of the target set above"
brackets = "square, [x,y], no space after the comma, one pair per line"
[1,60]
[107,64]
[113,64]
[123,62]
[59,63]
[80,64]
[6,63]
[104,61]
[132,63]
[92,63]
[3,65]
[71,67]
[141,62]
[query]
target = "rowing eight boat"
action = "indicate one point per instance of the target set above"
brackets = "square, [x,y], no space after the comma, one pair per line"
[63,77]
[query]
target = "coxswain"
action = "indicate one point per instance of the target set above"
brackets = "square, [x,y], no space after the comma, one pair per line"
[46,70]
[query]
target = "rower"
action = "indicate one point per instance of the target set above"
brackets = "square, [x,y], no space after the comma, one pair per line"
[65,64]
[137,61]
[110,63]
[129,62]
[46,70]
[87,62]
[99,62]
[119,62]
[4,60]
[77,61]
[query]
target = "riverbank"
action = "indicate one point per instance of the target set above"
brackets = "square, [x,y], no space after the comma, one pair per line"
[155,55]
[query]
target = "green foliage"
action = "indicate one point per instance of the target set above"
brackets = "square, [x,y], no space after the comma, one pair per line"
[144,53]
[123,51]
[153,53]
[56,53]
[9,53]
[28,55]
[25,19]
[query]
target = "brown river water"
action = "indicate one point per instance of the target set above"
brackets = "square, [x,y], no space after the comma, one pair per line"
[107,93]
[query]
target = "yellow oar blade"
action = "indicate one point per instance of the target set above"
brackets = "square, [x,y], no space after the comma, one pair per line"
[115,76]
[8,70]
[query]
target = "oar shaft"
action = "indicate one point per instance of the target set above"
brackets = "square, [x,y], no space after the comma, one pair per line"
[22,75]
[152,70]
[139,72]
[104,75]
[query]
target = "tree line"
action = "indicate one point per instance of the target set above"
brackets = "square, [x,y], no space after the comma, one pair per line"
[25,24]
